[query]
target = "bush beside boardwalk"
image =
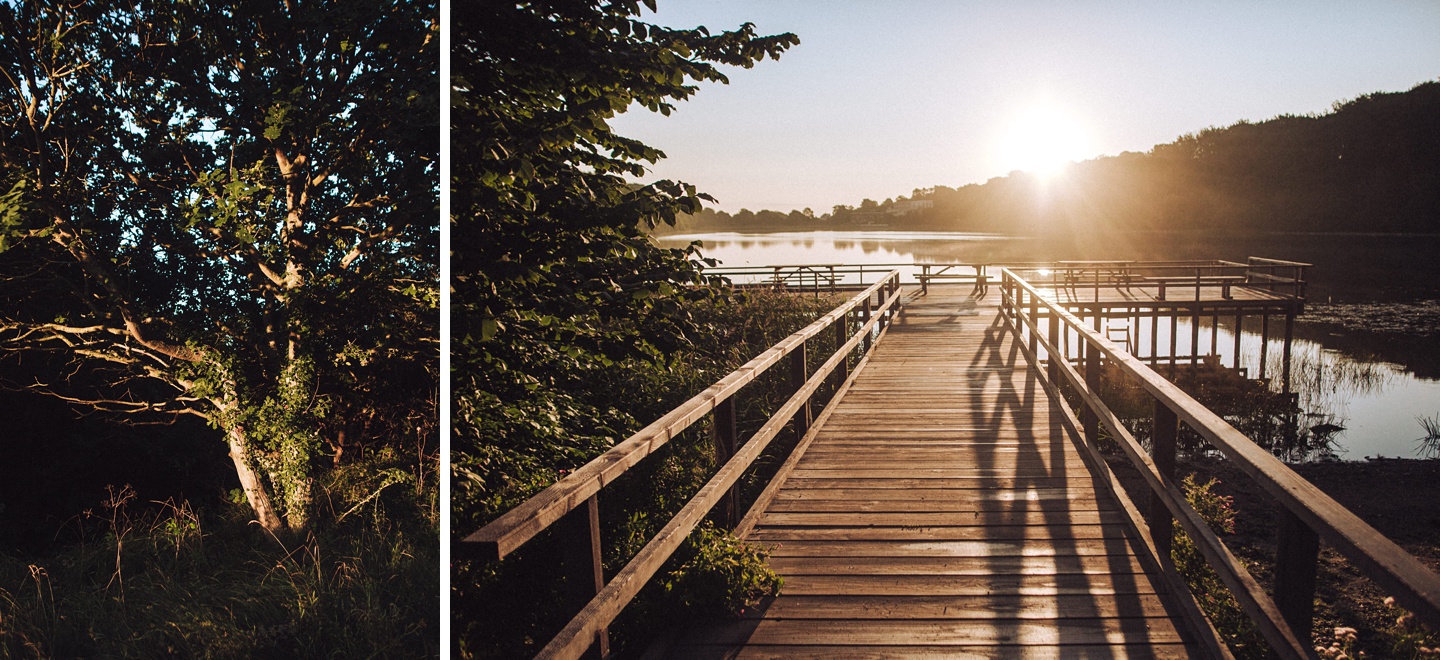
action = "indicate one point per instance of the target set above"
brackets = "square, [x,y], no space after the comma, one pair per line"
[1395,496]
[512,608]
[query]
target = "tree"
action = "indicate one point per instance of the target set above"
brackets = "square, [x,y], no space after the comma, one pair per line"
[226,211]
[554,279]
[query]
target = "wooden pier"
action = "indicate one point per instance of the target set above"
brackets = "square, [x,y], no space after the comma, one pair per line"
[951,499]
[943,510]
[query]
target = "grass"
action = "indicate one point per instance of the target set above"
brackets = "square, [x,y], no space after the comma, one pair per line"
[136,579]
[1430,442]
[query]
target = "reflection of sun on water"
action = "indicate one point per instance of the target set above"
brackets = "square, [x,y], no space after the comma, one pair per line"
[1043,140]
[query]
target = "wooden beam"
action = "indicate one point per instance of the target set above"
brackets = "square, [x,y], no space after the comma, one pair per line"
[518,525]
[1414,586]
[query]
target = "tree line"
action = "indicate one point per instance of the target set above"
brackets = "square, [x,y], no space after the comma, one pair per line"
[1371,164]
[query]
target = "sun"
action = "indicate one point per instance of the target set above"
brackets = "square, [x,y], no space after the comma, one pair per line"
[1043,139]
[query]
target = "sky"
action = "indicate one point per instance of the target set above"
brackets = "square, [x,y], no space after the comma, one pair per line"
[881,98]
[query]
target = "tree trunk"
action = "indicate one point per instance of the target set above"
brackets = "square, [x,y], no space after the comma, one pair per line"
[255,492]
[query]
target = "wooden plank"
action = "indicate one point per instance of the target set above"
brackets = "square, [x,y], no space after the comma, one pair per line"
[999,480]
[973,566]
[993,518]
[995,469]
[1040,533]
[887,652]
[940,496]
[998,632]
[940,506]
[948,548]
[1052,505]
[1413,584]
[981,608]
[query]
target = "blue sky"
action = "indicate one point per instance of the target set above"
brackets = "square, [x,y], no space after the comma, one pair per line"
[884,97]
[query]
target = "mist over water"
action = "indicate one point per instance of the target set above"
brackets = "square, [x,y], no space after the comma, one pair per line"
[1374,386]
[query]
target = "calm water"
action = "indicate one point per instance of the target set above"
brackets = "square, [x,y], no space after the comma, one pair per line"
[1372,386]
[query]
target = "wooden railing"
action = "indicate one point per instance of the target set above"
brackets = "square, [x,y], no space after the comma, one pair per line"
[806,277]
[575,496]
[1276,276]
[1307,514]
[1172,280]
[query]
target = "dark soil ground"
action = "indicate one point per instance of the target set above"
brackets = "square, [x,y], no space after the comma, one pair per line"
[1398,497]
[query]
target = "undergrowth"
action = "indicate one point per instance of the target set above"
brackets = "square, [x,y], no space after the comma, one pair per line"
[132,579]
[1214,598]
[513,607]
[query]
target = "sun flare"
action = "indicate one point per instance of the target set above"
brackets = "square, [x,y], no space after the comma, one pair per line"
[1042,140]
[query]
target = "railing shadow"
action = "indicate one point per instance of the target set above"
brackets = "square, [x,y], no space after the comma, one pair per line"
[1044,459]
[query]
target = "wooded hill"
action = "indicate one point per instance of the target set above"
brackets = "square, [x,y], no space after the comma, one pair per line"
[1371,164]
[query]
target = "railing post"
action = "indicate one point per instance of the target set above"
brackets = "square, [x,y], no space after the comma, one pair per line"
[724,449]
[584,570]
[1297,550]
[798,368]
[842,333]
[1092,382]
[1035,321]
[1054,366]
[1165,427]
[865,348]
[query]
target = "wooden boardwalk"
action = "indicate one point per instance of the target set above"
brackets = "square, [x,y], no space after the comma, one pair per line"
[942,511]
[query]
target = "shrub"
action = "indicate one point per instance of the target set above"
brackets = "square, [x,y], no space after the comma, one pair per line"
[1215,599]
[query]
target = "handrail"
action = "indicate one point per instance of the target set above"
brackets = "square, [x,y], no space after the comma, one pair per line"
[518,525]
[512,529]
[1414,586]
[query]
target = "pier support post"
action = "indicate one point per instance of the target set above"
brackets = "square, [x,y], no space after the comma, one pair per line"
[1239,330]
[1264,342]
[1215,334]
[1154,336]
[1195,332]
[1289,336]
[1166,426]
[1174,330]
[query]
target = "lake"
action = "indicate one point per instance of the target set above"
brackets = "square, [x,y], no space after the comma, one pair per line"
[1376,386]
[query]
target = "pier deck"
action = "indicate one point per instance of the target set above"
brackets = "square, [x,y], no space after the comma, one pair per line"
[942,510]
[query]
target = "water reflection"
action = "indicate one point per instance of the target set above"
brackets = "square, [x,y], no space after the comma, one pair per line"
[1337,405]
[1352,394]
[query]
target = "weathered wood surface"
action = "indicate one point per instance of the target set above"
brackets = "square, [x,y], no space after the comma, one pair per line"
[1176,292]
[942,511]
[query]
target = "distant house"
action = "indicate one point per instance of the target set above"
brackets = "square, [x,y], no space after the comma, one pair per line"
[902,208]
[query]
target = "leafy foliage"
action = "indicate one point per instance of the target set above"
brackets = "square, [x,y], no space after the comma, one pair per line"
[721,576]
[226,210]
[1215,599]
[510,608]
[555,283]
